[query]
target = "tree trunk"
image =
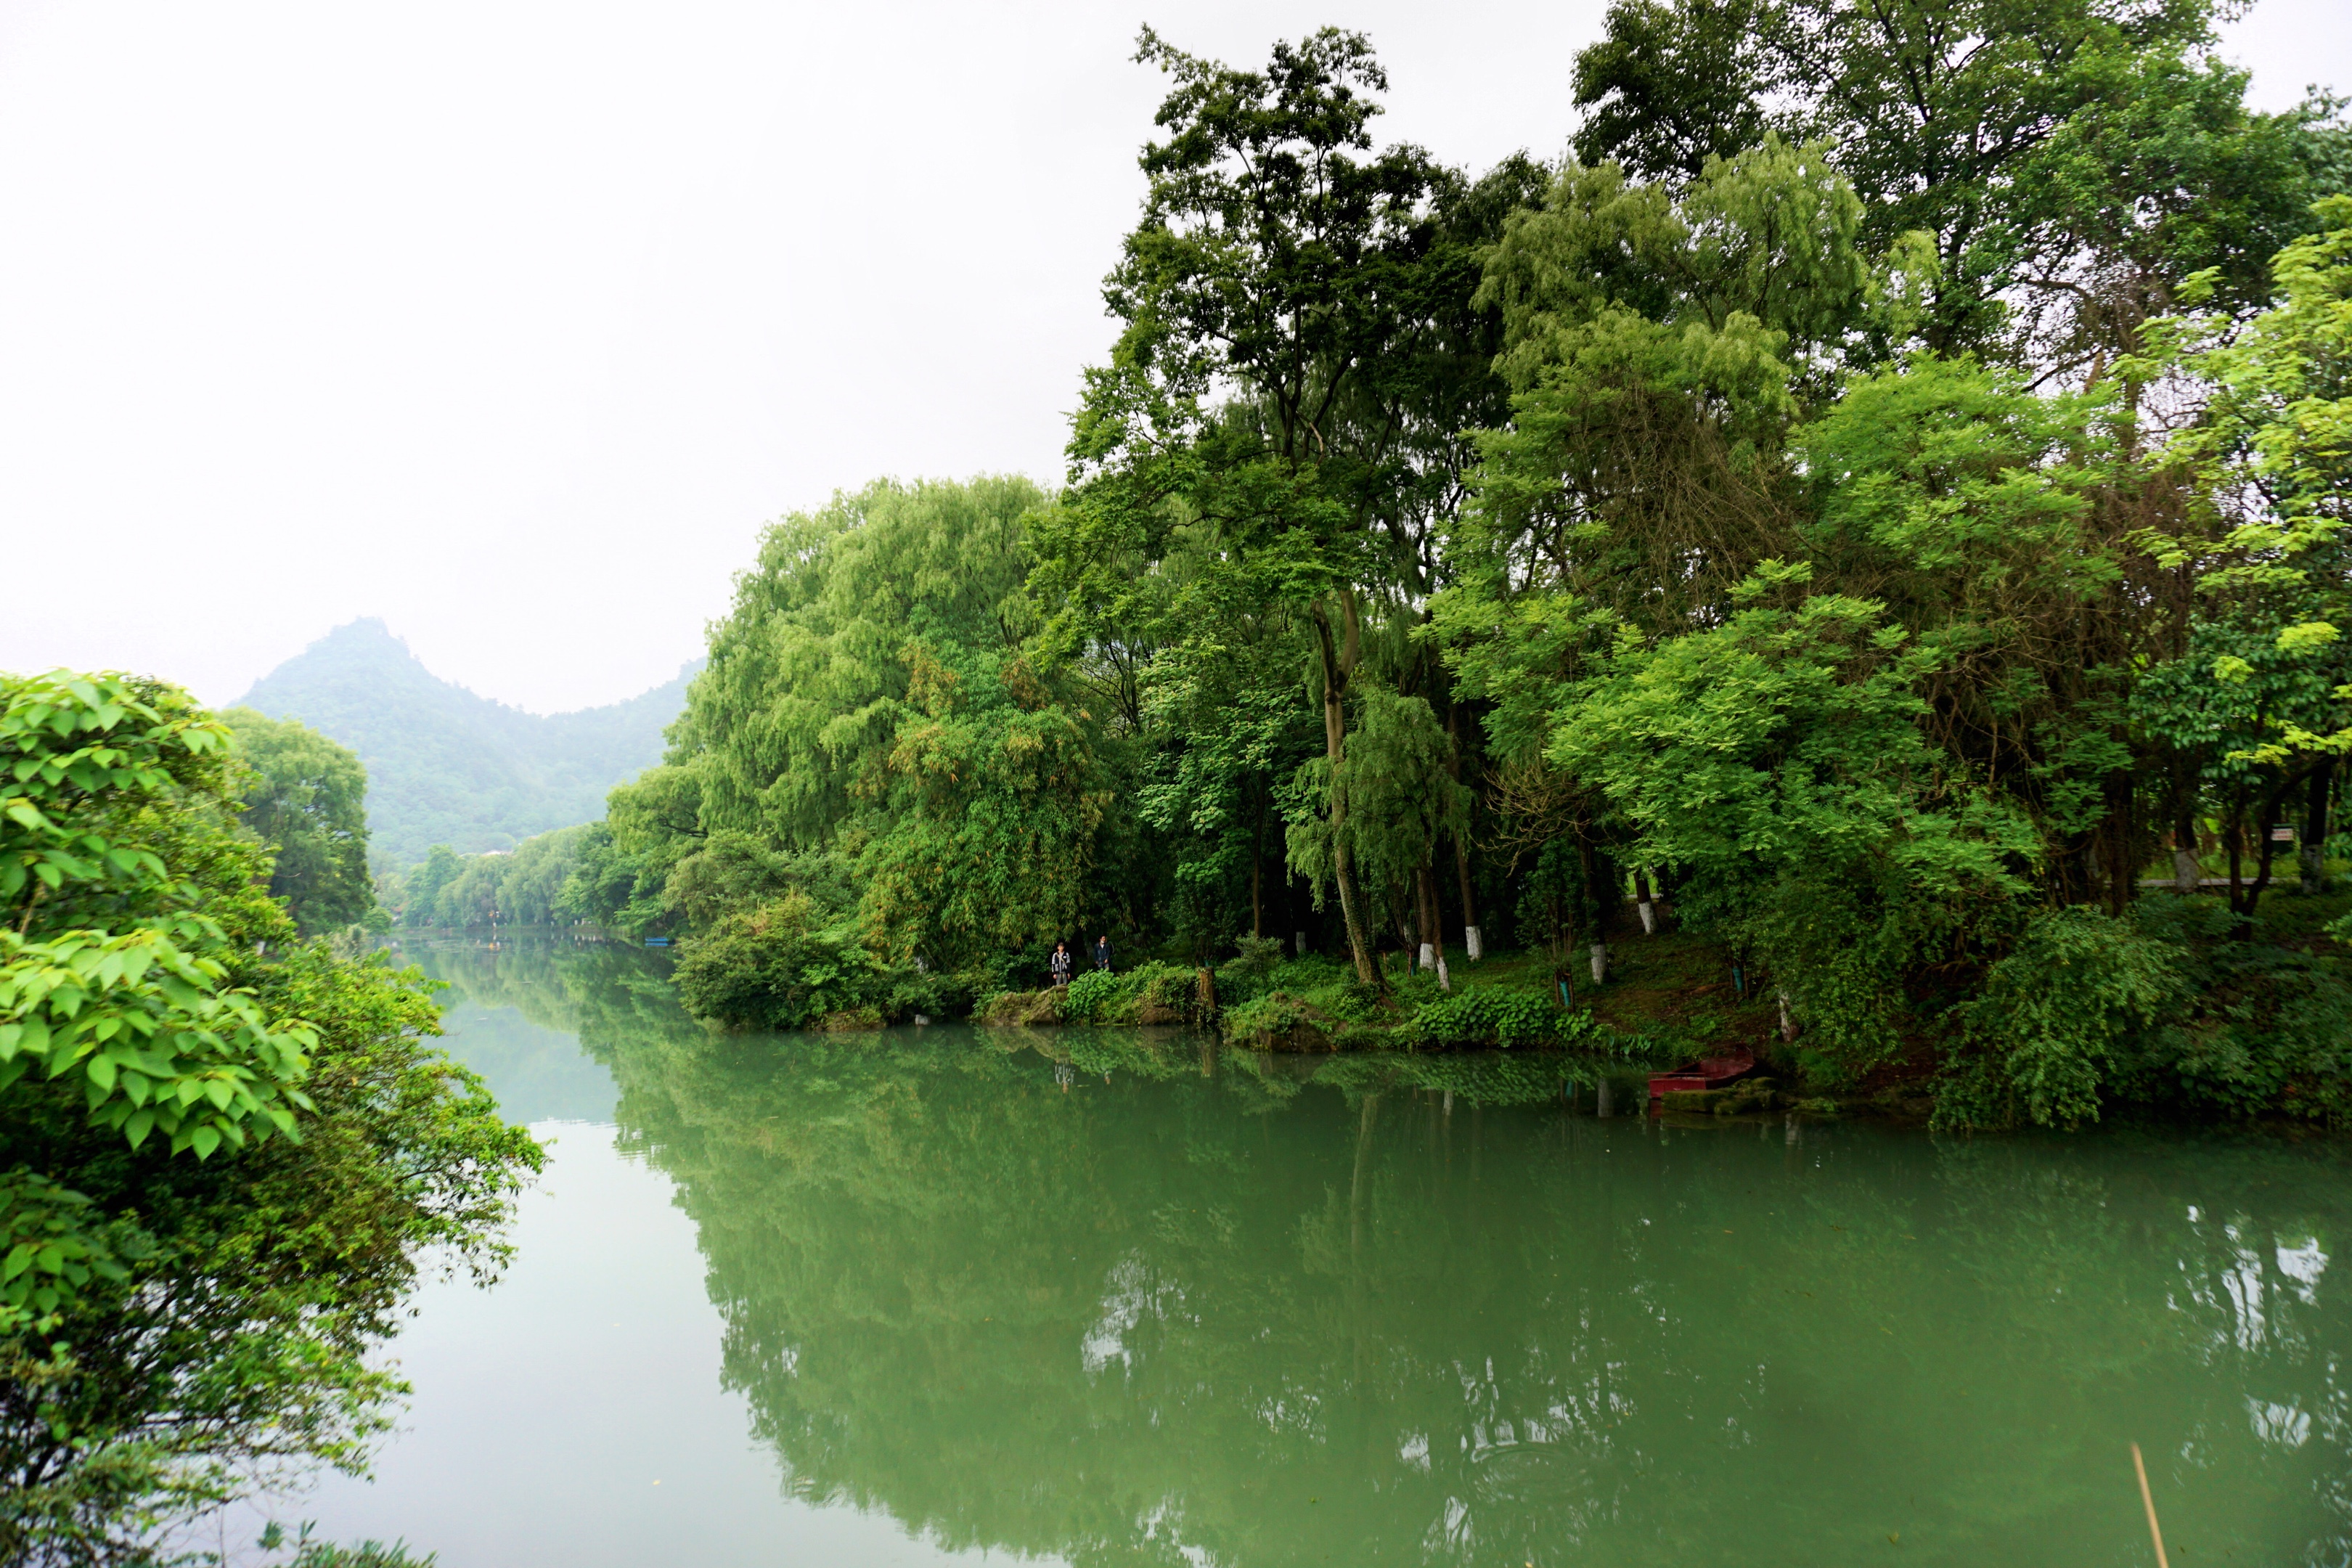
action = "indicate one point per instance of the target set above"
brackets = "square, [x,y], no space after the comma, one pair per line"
[1337,665]
[2074,871]
[1425,910]
[2244,896]
[2123,872]
[1473,948]
[1600,887]
[2186,872]
[1607,895]
[2310,855]
[2269,847]
[1257,896]
[1563,932]
[2234,829]
[1434,930]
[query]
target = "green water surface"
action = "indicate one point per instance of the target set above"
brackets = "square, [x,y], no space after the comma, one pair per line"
[1114,1296]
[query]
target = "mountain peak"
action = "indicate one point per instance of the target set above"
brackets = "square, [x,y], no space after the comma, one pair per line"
[448,766]
[366,628]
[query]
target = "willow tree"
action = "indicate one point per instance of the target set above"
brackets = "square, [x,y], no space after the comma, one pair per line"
[872,738]
[1299,357]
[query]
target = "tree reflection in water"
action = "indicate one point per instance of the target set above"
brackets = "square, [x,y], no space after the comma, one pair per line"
[1252,1310]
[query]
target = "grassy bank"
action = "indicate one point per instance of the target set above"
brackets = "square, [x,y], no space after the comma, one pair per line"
[2219,1025]
[1665,994]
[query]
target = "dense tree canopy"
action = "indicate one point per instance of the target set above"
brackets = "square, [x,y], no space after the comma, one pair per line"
[876,740]
[1879,500]
[521,887]
[226,1150]
[2071,161]
[306,798]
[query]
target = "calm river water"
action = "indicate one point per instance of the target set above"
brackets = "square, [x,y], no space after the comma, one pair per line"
[1101,1298]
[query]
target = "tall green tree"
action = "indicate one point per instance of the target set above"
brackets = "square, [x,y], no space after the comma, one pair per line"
[2257,704]
[1669,87]
[1927,585]
[2075,161]
[306,798]
[421,891]
[1299,357]
[873,733]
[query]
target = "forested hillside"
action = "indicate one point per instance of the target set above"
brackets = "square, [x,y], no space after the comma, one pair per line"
[1877,505]
[445,766]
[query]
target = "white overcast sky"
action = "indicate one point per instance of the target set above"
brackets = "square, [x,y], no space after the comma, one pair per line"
[510,322]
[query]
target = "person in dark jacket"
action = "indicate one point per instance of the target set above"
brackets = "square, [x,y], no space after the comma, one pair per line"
[1102,954]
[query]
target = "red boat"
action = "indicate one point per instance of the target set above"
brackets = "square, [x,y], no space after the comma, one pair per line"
[1708,1072]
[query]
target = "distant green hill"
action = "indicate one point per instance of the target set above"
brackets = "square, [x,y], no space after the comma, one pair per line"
[445,766]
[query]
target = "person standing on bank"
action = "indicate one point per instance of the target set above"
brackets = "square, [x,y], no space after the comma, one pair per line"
[1102,954]
[1060,964]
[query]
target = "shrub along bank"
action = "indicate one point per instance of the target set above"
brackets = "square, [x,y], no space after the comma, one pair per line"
[2164,1009]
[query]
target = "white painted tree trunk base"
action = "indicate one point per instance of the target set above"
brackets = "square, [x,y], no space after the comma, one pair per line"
[2185,870]
[1472,945]
[1444,982]
[1649,918]
[1302,944]
[1599,962]
[1428,955]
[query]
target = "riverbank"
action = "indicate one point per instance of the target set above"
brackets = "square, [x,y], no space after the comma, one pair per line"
[1667,991]
[2235,1026]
